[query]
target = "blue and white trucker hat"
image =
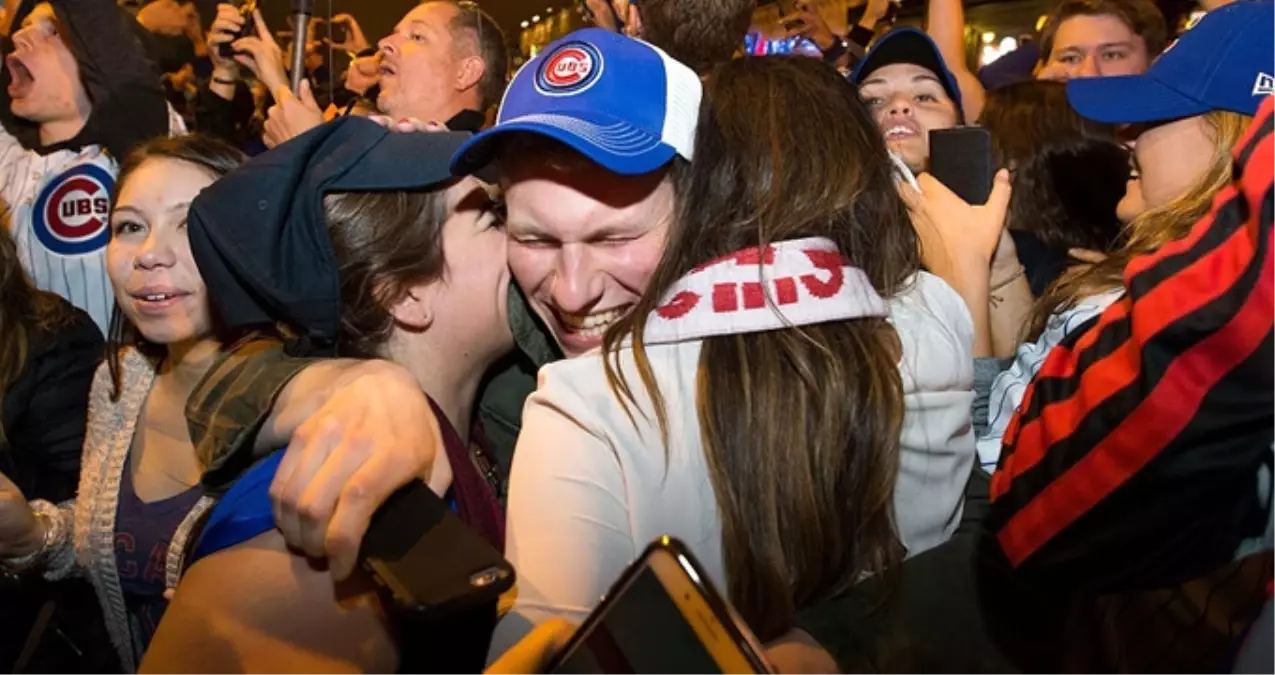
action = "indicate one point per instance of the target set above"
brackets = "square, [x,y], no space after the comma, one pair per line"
[621,102]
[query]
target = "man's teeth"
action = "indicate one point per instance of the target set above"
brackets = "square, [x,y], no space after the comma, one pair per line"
[158,297]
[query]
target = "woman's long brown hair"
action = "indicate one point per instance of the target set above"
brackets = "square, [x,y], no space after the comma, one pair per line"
[24,312]
[800,426]
[1149,230]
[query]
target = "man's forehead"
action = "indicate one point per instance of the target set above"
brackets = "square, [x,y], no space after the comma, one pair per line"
[1093,29]
[430,14]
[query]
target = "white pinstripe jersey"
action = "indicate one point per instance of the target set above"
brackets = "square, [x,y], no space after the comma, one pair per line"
[57,208]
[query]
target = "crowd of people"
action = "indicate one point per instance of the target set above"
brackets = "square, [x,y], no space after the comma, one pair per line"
[647,285]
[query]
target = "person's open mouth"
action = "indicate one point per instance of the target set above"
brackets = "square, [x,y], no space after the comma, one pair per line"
[20,79]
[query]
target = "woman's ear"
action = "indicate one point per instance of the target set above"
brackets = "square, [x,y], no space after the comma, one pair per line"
[415,308]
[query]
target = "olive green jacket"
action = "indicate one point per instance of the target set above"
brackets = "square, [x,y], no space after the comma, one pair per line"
[229,407]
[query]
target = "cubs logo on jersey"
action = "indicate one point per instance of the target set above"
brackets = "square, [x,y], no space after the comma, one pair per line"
[71,217]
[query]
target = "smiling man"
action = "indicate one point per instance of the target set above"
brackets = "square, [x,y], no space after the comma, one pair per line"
[909,91]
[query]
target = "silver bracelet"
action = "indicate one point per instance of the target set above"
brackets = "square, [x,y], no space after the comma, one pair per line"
[53,534]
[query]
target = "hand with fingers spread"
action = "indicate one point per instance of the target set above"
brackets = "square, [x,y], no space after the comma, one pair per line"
[20,531]
[291,116]
[261,54]
[807,21]
[376,433]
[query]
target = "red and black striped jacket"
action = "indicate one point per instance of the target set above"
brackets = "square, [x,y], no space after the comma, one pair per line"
[1133,460]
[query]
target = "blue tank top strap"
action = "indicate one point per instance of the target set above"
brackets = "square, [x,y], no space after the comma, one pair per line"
[245,511]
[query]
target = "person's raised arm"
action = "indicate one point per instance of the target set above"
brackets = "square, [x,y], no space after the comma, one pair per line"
[945,24]
[958,243]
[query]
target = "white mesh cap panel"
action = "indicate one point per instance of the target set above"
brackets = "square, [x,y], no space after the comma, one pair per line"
[685,91]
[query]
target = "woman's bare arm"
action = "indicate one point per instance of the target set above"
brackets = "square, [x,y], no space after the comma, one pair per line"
[257,607]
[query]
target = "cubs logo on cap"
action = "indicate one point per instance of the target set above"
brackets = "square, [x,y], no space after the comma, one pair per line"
[622,103]
[569,69]
[71,216]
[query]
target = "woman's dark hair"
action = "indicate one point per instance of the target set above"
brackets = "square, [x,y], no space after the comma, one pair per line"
[211,154]
[1068,173]
[384,243]
[25,311]
[800,427]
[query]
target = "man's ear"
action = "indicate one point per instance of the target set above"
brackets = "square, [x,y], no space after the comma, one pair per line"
[415,308]
[470,74]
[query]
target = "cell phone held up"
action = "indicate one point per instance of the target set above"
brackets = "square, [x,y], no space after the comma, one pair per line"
[246,8]
[662,616]
[961,158]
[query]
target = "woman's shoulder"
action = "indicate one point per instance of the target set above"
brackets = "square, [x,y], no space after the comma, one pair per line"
[582,390]
[587,376]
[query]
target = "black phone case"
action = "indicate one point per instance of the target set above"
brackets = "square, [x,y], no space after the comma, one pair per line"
[710,594]
[961,158]
[429,561]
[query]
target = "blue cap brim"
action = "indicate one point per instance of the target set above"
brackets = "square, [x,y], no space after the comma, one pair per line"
[608,141]
[1130,99]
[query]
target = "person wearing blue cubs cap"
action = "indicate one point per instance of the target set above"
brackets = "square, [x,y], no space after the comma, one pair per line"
[1190,108]
[590,137]
[1212,79]
[910,92]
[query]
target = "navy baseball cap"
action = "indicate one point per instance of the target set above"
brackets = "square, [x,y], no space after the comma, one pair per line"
[621,102]
[908,45]
[259,235]
[1225,62]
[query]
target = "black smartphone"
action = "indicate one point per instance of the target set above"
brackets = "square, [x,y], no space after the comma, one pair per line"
[428,560]
[246,8]
[662,616]
[961,158]
[337,32]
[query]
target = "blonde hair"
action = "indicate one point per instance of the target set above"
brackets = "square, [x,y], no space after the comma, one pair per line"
[1150,230]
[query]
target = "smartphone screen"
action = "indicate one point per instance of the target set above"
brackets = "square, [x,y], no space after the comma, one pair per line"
[661,619]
